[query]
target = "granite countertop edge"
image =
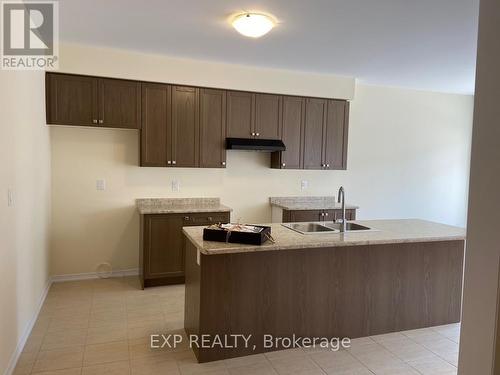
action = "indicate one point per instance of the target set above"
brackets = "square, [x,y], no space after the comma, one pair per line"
[293,241]
[182,210]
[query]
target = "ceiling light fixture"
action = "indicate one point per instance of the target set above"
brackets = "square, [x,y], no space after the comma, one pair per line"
[253,25]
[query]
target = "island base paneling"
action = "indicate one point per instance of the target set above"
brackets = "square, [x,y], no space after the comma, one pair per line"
[351,291]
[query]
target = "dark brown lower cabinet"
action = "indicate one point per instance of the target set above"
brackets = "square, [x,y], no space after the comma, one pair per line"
[292,216]
[161,259]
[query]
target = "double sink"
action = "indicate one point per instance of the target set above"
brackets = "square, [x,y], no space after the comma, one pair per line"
[324,228]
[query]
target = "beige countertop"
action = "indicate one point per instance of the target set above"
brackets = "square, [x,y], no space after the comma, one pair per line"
[308,203]
[179,205]
[385,232]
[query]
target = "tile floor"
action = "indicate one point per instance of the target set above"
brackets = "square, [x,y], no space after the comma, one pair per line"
[102,327]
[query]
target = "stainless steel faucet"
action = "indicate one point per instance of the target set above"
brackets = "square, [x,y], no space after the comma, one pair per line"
[341,198]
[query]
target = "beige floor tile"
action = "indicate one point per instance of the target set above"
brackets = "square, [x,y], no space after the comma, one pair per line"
[68,371]
[64,358]
[288,353]
[192,368]
[68,323]
[299,364]
[114,368]
[154,366]
[105,353]
[25,363]
[249,360]
[116,319]
[146,330]
[141,348]
[33,344]
[64,339]
[253,369]
[432,366]
[335,360]
[106,333]
[349,371]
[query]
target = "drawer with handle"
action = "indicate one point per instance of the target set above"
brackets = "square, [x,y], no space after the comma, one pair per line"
[206,218]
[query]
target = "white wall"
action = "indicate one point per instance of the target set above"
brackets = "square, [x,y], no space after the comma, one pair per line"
[480,315]
[408,157]
[24,227]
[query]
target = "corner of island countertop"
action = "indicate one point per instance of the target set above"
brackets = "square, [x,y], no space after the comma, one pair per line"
[383,232]
[147,206]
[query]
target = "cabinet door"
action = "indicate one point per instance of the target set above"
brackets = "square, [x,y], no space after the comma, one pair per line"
[119,104]
[267,116]
[292,128]
[155,150]
[314,132]
[163,246]
[305,215]
[185,127]
[71,99]
[240,114]
[335,151]
[212,128]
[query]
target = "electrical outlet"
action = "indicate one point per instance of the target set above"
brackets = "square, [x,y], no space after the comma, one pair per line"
[176,186]
[304,184]
[10,198]
[100,184]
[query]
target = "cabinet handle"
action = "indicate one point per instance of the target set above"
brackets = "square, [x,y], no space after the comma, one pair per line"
[257,134]
[169,162]
[283,165]
[186,218]
[94,121]
[328,165]
[174,162]
[253,134]
[326,213]
[101,121]
[322,166]
[223,163]
[209,218]
[322,214]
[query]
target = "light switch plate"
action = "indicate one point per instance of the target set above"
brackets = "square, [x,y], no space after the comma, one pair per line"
[100,184]
[176,186]
[304,184]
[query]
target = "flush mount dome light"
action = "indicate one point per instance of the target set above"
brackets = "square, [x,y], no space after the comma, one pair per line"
[253,25]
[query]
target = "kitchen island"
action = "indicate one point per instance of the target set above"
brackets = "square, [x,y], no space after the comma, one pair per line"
[402,274]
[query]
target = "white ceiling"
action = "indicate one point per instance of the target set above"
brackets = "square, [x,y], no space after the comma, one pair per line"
[421,44]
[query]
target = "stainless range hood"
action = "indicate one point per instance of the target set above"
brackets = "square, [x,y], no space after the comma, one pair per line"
[268,145]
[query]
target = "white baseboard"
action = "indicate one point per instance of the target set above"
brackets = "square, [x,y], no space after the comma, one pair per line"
[94,275]
[27,331]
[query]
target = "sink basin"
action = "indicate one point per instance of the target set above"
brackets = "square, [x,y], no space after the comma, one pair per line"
[316,228]
[309,228]
[350,227]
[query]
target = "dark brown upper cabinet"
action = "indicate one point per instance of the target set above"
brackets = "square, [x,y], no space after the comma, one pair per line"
[212,128]
[251,115]
[240,114]
[325,134]
[119,104]
[91,101]
[71,100]
[292,124]
[185,127]
[155,140]
[267,116]
[336,132]
[314,124]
